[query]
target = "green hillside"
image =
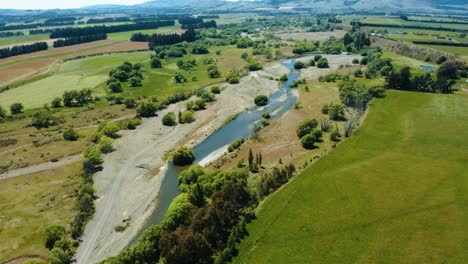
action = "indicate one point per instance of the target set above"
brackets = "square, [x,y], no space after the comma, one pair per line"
[395,192]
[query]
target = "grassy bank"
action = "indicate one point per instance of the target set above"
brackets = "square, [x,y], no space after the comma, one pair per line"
[395,192]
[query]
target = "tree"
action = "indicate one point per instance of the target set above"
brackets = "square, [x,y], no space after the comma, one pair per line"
[232,77]
[92,159]
[16,108]
[52,234]
[197,195]
[183,246]
[169,119]
[305,127]
[43,119]
[59,256]
[261,100]
[115,87]
[134,82]
[214,73]
[156,63]
[335,135]
[57,102]
[183,156]
[146,109]
[322,63]
[70,135]
[308,141]
[215,89]
[250,159]
[130,103]
[448,70]
[299,65]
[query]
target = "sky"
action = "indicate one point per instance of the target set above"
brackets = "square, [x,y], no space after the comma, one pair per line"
[50,4]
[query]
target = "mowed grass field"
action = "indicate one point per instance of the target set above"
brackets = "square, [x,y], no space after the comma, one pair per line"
[395,192]
[76,74]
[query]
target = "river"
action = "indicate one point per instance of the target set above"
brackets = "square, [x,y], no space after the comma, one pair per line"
[240,127]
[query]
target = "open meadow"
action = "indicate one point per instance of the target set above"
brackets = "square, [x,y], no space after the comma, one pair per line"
[395,192]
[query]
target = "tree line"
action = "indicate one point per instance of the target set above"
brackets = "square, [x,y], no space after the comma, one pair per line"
[361,24]
[76,32]
[22,49]
[44,31]
[11,34]
[36,25]
[108,20]
[78,40]
[169,39]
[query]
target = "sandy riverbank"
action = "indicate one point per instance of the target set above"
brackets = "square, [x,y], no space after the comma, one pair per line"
[126,187]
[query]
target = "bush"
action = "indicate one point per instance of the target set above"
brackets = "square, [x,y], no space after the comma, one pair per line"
[156,63]
[3,112]
[232,77]
[335,135]
[356,61]
[358,73]
[317,58]
[208,96]
[105,144]
[283,77]
[52,234]
[183,156]
[130,103]
[299,65]
[266,115]
[147,110]
[261,100]
[43,119]
[364,61]
[215,89]
[115,87]
[322,63]
[70,135]
[169,119]
[56,103]
[186,117]
[134,82]
[214,73]
[334,111]
[308,141]
[16,108]
[235,145]
[312,63]
[305,127]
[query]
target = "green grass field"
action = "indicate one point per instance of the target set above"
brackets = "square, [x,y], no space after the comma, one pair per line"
[400,61]
[395,192]
[32,202]
[463,51]
[75,74]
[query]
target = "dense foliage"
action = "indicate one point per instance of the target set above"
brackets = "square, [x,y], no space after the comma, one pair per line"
[22,49]
[78,40]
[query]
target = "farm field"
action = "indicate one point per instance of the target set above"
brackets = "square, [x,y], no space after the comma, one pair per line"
[31,202]
[395,192]
[462,51]
[398,21]
[93,71]
[23,39]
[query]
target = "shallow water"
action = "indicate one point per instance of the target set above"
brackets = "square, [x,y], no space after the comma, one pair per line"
[240,127]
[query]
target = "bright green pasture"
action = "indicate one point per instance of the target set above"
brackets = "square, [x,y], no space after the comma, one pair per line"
[400,61]
[395,192]
[76,74]
[463,51]
[127,34]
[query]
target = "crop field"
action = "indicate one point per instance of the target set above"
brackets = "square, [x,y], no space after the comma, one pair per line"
[399,21]
[462,51]
[32,202]
[23,39]
[395,192]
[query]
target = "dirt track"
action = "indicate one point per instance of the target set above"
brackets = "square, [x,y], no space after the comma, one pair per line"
[125,187]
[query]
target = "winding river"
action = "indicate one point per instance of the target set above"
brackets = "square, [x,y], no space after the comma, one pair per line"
[240,127]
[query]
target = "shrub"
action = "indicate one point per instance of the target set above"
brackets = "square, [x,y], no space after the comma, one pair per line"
[16,108]
[358,73]
[214,73]
[208,96]
[3,112]
[317,58]
[334,111]
[92,159]
[186,117]
[299,65]
[305,127]
[364,61]
[52,234]
[265,122]
[43,119]
[261,100]
[335,135]
[156,63]
[105,144]
[215,89]
[200,104]
[232,77]
[134,82]
[356,61]
[130,103]
[283,77]
[169,119]
[115,87]
[235,145]
[109,129]
[266,115]
[183,156]
[146,110]
[312,63]
[308,141]
[57,102]
[70,135]
[322,63]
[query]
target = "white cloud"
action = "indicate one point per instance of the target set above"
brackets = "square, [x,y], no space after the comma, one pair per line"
[41,4]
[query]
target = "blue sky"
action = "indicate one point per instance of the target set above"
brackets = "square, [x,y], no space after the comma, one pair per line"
[47,4]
